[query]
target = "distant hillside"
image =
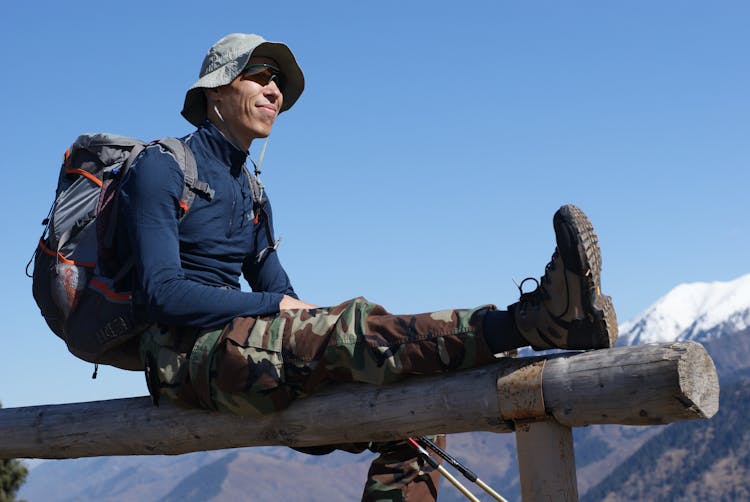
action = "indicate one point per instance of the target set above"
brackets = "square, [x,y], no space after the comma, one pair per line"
[702,460]
[273,472]
[731,353]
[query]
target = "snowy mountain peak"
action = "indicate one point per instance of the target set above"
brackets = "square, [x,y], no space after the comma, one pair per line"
[695,311]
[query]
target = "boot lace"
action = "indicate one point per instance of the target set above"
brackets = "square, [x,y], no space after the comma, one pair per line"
[539,293]
[534,297]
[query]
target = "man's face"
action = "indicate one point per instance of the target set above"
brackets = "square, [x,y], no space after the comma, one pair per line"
[249,107]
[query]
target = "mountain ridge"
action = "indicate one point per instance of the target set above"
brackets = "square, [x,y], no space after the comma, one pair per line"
[697,311]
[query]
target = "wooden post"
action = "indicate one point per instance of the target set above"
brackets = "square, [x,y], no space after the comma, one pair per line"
[546,462]
[642,385]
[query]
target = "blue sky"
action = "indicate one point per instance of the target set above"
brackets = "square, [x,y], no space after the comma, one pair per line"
[423,163]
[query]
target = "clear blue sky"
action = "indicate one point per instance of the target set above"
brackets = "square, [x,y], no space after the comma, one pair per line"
[424,161]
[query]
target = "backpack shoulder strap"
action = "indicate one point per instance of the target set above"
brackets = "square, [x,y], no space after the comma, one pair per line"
[256,189]
[186,160]
[259,208]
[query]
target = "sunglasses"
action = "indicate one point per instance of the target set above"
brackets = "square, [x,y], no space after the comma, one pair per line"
[264,74]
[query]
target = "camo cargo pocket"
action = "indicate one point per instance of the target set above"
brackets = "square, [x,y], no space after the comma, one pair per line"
[165,357]
[240,368]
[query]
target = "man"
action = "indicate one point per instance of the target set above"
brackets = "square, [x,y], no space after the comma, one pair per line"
[214,346]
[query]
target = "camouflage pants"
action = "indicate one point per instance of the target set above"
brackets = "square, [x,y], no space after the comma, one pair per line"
[257,365]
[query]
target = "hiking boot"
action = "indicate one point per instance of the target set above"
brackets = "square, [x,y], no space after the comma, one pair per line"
[567,309]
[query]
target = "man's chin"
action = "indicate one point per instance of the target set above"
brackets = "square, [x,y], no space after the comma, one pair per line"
[259,132]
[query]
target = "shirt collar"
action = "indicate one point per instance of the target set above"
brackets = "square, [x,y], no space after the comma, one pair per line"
[221,148]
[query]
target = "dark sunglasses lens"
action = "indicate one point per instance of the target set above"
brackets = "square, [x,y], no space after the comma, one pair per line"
[280,81]
[264,74]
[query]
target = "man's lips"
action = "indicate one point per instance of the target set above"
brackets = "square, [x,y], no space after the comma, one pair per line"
[271,109]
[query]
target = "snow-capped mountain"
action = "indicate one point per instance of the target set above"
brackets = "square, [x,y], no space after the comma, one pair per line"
[697,311]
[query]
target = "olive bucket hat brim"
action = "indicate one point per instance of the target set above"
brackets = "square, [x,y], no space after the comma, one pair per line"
[227,58]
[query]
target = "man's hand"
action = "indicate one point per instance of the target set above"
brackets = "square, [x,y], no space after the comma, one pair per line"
[288,303]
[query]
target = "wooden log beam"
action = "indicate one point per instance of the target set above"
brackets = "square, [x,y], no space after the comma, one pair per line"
[642,385]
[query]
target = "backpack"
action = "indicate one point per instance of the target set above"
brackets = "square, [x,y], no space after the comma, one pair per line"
[76,264]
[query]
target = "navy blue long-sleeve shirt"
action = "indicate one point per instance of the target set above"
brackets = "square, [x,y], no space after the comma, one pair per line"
[187,273]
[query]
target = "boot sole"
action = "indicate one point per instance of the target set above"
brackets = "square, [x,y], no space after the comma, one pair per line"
[578,245]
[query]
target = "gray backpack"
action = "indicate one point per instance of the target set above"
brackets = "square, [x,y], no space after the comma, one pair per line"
[76,263]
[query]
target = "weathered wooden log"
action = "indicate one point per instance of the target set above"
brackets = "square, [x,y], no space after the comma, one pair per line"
[642,385]
[546,462]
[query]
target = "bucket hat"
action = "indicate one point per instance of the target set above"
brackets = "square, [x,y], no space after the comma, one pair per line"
[227,58]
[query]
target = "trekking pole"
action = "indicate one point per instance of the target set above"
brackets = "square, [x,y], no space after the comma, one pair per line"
[468,474]
[434,464]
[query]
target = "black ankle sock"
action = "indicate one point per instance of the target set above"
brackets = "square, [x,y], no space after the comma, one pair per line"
[500,332]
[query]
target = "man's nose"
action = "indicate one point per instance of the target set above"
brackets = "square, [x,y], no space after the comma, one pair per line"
[272,87]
